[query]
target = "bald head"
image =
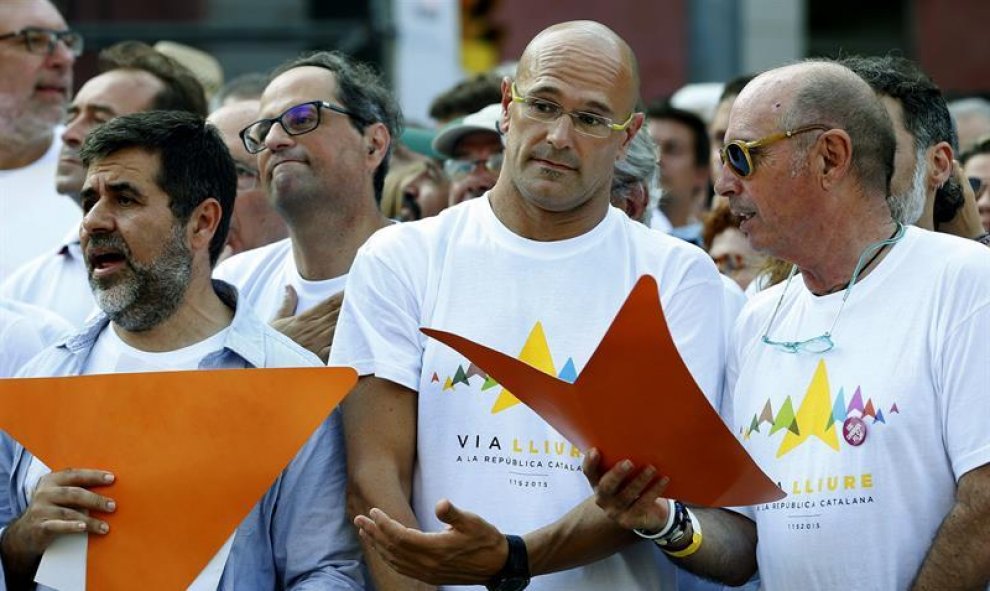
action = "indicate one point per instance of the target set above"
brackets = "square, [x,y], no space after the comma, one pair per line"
[577,43]
[822,92]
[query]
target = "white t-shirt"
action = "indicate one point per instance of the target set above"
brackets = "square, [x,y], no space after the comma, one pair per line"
[112,355]
[868,439]
[56,281]
[33,217]
[549,303]
[261,274]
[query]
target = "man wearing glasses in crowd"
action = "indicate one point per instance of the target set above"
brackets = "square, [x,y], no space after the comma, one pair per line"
[37,51]
[133,77]
[859,385]
[472,147]
[540,264]
[255,222]
[322,142]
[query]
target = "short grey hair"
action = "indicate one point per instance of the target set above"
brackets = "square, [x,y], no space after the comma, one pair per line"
[638,166]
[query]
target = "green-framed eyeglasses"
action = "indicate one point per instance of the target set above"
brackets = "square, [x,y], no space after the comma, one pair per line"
[585,123]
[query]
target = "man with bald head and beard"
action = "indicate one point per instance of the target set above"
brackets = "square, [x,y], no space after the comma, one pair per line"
[568,116]
[877,340]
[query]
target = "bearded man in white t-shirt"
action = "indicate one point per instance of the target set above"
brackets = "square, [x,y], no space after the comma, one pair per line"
[860,384]
[158,197]
[540,264]
[323,142]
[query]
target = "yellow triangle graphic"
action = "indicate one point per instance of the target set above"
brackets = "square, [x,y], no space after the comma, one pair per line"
[813,415]
[536,352]
[448,385]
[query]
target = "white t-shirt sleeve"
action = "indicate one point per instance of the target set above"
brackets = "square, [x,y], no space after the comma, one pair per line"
[695,314]
[963,375]
[378,329]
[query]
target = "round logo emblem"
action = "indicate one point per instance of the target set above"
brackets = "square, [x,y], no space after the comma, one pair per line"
[854,431]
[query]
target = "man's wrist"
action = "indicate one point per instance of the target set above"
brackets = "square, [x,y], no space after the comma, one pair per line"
[514,574]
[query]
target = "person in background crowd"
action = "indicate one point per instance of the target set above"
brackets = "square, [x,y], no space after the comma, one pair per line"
[255,222]
[133,78]
[37,51]
[472,148]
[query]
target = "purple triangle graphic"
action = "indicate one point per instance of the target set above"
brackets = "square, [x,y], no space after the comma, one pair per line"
[894,409]
[857,402]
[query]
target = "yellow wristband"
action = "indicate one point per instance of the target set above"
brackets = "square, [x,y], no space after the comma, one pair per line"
[695,540]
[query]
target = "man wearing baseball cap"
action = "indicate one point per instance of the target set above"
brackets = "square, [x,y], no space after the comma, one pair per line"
[472,148]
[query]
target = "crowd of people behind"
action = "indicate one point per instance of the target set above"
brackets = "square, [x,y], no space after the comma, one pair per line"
[818,236]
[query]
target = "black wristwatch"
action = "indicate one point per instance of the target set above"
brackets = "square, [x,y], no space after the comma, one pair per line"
[514,575]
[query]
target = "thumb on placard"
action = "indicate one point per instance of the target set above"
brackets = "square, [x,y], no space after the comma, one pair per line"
[289,302]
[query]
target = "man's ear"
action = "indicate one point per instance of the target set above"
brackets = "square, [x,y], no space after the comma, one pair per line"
[629,133]
[503,122]
[203,224]
[834,149]
[939,166]
[376,140]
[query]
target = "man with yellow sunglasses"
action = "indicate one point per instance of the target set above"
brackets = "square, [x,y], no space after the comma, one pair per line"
[859,384]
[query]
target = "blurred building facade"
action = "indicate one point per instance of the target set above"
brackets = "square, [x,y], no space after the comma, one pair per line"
[425,46]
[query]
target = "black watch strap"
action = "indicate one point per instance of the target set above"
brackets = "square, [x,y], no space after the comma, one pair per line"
[514,575]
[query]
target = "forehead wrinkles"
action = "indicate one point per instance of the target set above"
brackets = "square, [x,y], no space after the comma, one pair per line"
[760,108]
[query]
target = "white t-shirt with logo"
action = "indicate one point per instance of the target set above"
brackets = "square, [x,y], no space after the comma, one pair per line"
[261,274]
[868,439]
[547,303]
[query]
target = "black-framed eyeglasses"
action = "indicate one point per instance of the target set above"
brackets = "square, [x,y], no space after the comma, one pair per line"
[43,41]
[296,120]
[737,154]
[458,167]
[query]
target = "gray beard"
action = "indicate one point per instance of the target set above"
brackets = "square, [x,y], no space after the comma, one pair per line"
[908,207]
[146,295]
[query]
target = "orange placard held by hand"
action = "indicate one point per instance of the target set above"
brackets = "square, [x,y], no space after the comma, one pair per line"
[192,453]
[628,413]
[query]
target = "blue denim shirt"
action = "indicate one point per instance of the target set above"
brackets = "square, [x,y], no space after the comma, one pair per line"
[298,536]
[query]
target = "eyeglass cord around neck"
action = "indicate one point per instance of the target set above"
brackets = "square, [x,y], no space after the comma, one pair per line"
[861,264]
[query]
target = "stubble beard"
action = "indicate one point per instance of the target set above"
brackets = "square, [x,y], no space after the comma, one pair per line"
[146,295]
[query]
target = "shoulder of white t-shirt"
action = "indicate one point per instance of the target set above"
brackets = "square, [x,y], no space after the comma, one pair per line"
[243,265]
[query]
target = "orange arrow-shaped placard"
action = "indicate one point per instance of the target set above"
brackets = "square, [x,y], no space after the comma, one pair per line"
[192,453]
[636,399]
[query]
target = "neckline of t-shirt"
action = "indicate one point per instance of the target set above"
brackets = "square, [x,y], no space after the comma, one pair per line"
[878,276]
[208,345]
[542,249]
